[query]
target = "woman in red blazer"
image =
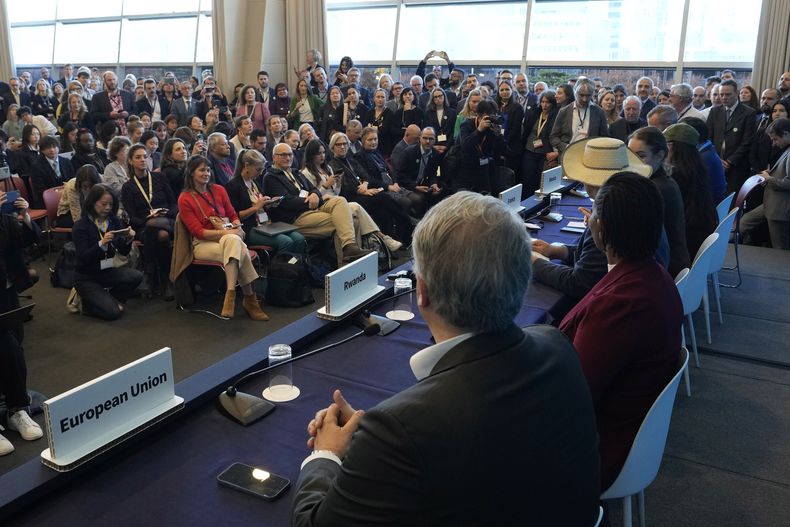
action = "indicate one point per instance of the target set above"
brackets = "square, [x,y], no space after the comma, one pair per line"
[626,330]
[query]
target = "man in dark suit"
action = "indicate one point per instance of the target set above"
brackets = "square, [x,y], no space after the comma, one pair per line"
[353,80]
[155,105]
[16,94]
[49,170]
[112,103]
[263,93]
[221,161]
[578,120]
[419,172]
[644,88]
[437,453]
[731,126]
[185,106]
[68,72]
[630,122]
[527,99]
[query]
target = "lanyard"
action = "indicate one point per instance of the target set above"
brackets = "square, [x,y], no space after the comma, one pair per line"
[253,191]
[211,203]
[293,180]
[542,124]
[579,114]
[148,197]
[101,226]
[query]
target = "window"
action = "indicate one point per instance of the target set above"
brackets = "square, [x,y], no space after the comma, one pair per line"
[496,33]
[179,47]
[33,45]
[363,34]
[72,46]
[728,33]
[613,30]
[83,9]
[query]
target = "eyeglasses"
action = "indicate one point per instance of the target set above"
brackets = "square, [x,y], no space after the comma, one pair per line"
[341,144]
[285,155]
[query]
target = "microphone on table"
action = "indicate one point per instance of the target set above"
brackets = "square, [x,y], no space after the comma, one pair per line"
[246,409]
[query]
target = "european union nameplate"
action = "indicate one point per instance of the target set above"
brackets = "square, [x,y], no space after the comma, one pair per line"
[89,419]
[350,286]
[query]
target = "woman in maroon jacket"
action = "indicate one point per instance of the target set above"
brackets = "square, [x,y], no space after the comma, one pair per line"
[197,203]
[626,330]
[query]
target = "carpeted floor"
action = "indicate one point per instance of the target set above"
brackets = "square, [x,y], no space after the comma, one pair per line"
[727,460]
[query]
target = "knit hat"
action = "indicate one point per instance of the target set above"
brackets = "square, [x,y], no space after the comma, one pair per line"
[682,133]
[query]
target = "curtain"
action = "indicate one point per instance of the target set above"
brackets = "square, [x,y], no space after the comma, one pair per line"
[220,35]
[305,29]
[6,54]
[772,57]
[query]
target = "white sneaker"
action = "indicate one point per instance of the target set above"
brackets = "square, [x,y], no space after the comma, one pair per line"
[392,244]
[5,446]
[27,428]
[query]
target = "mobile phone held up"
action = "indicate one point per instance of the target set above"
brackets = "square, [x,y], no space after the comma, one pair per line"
[253,480]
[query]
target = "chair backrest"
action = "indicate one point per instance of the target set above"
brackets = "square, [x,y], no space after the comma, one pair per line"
[51,200]
[723,208]
[644,458]
[21,187]
[747,187]
[719,250]
[697,279]
[67,155]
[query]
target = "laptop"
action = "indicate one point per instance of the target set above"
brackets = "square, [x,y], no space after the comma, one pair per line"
[275,228]
[551,181]
[512,198]
[10,320]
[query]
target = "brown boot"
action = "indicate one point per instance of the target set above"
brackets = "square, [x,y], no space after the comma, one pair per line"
[229,305]
[253,308]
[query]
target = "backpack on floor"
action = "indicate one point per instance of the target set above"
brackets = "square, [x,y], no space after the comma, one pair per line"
[374,242]
[62,275]
[288,281]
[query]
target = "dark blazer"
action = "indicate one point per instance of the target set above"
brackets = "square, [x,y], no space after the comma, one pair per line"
[259,97]
[446,127]
[136,206]
[735,136]
[425,98]
[776,199]
[42,105]
[416,456]
[403,119]
[647,105]
[626,332]
[331,120]
[476,148]
[182,112]
[86,238]
[531,121]
[85,122]
[43,177]
[101,107]
[621,129]
[240,199]
[409,168]
[277,183]
[562,131]
[574,277]
[144,106]
[384,126]
[278,106]
[674,221]
[217,174]
[376,169]
[100,160]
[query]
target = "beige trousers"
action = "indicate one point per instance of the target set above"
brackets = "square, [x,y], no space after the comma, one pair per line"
[333,216]
[229,246]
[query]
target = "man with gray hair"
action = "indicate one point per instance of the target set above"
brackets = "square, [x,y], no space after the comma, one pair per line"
[630,122]
[644,89]
[579,120]
[680,97]
[221,162]
[662,116]
[485,384]
[354,133]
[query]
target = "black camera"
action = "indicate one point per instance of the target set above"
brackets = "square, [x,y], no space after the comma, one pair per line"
[495,120]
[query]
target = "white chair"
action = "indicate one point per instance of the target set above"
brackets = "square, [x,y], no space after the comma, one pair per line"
[600,516]
[723,208]
[644,458]
[718,253]
[680,283]
[692,287]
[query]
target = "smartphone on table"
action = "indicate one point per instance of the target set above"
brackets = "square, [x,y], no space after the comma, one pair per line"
[253,480]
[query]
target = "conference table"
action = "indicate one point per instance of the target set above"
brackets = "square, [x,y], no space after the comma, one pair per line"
[167,474]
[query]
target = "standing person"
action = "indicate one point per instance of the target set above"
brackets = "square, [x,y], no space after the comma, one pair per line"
[382,466]
[305,107]
[332,115]
[381,117]
[98,235]
[280,104]
[775,209]
[112,103]
[626,330]
[17,232]
[200,200]
[579,120]
[608,103]
[482,148]
[148,200]
[731,127]
[258,112]
[512,116]
[630,122]
[537,148]
[408,113]
[441,118]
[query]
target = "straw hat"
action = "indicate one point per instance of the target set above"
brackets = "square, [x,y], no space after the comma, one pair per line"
[593,161]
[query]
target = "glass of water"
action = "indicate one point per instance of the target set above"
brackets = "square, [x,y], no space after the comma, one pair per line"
[281,387]
[401,308]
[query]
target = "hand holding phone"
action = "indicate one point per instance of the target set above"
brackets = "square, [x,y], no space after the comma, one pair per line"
[122,232]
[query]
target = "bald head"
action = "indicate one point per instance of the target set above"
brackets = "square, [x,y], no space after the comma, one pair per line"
[283,155]
[411,134]
[784,84]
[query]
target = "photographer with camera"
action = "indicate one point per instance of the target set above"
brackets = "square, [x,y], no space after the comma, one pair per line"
[212,97]
[17,231]
[98,235]
[482,148]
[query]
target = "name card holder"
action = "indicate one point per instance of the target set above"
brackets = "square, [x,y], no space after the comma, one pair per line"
[92,418]
[350,286]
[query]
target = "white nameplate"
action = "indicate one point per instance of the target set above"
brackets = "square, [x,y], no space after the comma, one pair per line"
[87,420]
[512,198]
[351,286]
[551,180]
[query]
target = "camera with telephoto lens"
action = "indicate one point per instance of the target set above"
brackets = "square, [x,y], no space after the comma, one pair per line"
[495,120]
